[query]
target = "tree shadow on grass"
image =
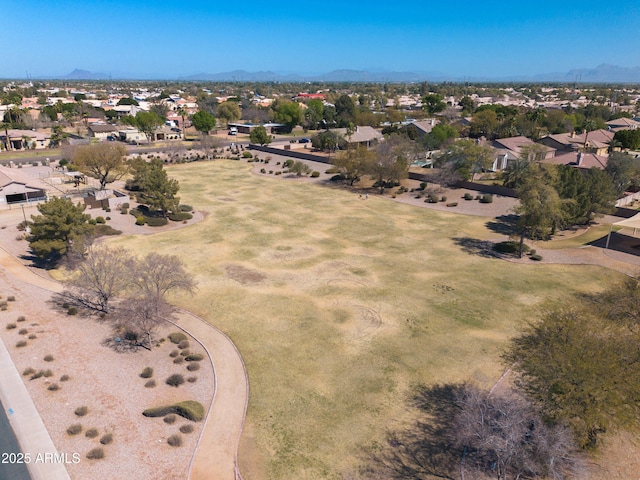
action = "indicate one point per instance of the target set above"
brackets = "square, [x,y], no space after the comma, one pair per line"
[426,449]
[473,246]
[504,224]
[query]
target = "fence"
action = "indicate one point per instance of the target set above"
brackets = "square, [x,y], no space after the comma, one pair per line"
[290,153]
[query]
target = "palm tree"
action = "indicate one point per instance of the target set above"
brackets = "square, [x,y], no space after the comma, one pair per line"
[182,111]
[589,126]
[5,126]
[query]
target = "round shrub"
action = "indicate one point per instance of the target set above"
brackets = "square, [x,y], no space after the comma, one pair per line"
[156,221]
[106,439]
[11,326]
[100,220]
[467,196]
[486,198]
[91,433]
[510,247]
[315,174]
[72,311]
[170,419]
[53,387]
[194,357]
[175,380]
[178,360]
[74,429]
[147,372]
[21,318]
[186,428]
[174,440]
[177,337]
[48,358]
[95,454]
[185,208]
[150,384]
[32,336]
[174,353]
[81,411]
[140,220]
[11,298]
[247,154]
[192,367]
[180,216]
[185,352]
[28,371]
[23,331]
[183,344]
[192,379]
[21,343]
[536,257]
[64,378]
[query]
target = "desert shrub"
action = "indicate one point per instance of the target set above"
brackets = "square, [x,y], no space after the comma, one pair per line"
[510,247]
[91,433]
[432,198]
[189,409]
[23,331]
[21,318]
[536,257]
[247,154]
[140,220]
[174,353]
[124,211]
[330,170]
[105,230]
[288,163]
[108,218]
[37,375]
[177,337]
[100,220]
[48,358]
[194,357]
[443,199]
[315,174]
[32,336]
[11,298]
[178,360]
[192,367]
[28,371]
[175,380]
[125,205]
[65,305]
[72,311]
[174,440]
[53,387]
[81,411]
[185,352]
[532,251]
[185,208]
[11,326]
[186,428]
[150,384]
[147,372]
[74,429]
[453,204]
[467,196]
[192,379]
[92,221]
[106,439]
[48,373]
[180,216]
[95,453]
[486,198]
[183,344]
[262,170]
[156,221]
[64,378]
[21,343]
[171,418]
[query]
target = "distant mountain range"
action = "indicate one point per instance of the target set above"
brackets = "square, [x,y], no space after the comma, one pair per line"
[601,74]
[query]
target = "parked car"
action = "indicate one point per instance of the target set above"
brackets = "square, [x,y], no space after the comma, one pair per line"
[304,140]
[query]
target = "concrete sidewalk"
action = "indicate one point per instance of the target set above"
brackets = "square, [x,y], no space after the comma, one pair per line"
[27,424]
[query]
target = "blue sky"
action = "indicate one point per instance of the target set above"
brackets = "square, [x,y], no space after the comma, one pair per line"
[180,38]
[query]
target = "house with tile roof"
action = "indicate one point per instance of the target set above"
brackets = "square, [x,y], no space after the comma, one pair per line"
[581,160]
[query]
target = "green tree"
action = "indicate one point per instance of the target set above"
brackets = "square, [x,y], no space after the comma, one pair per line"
[59,225]
[287,112]
[128,101]
[540,209]
[260,136]
[300,168]
[158,191]
[629,139]
[104,161]
[581,369]
[391,164]
[439,135]
[147,123]
[229,111]
[345,110]
[353,163]
[467,104]
[203,121]
[328,141]
[313,114]
[484,123]
[467,158]
[623,170]
[5,126]
[433,103]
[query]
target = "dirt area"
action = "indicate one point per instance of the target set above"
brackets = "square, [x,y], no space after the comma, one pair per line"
[111,388]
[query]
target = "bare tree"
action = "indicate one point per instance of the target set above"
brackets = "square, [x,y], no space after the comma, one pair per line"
[501,435]
[142,316]
[156,275]
[103,161]
[101,274]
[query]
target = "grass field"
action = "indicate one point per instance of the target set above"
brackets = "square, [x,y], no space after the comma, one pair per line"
[340,305]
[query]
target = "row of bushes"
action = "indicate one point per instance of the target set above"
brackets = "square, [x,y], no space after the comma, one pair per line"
[189,409]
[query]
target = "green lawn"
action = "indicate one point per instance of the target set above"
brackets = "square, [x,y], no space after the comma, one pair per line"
[340,305]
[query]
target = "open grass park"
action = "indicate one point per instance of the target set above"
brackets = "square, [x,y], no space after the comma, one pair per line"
[342,306]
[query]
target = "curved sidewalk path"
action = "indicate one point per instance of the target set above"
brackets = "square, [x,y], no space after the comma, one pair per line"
[217,452]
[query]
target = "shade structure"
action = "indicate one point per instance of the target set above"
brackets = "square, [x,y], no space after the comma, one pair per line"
[633,222]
